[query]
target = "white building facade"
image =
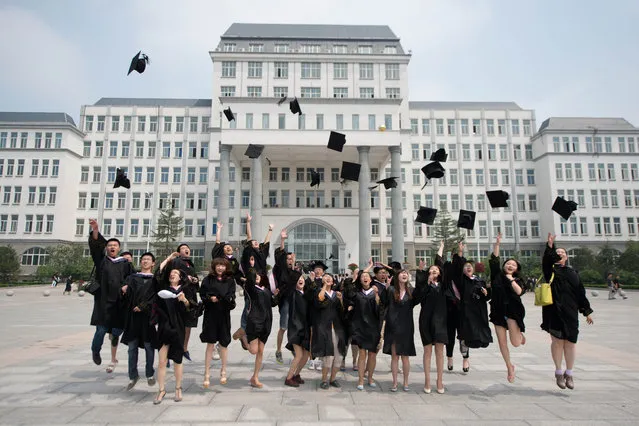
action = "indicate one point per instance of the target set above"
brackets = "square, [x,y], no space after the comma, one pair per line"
[184,154]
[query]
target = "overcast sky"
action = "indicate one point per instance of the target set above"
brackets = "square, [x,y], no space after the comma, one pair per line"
[558,57]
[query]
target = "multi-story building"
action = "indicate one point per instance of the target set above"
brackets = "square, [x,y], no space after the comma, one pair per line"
[185,154]
[594,162]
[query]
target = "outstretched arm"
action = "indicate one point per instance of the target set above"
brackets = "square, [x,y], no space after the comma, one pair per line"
[249,235]
[268,234]
[218,233]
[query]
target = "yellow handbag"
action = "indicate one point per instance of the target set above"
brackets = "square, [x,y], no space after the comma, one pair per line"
[543,293]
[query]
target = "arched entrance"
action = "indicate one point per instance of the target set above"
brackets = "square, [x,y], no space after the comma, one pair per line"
[315,240]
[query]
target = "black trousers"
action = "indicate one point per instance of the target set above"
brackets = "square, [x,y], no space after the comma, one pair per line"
[453,322]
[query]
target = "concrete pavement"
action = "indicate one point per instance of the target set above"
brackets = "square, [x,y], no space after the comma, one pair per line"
[47,377]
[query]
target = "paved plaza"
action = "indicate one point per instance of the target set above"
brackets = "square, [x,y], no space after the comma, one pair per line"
[47,377]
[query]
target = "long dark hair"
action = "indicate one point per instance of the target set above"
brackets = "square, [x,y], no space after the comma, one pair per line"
[517,272]
[395,284]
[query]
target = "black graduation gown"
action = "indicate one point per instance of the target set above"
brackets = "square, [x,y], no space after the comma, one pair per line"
[327,315]
[260,255]
[474,325]
[561,319]
[364,323]
[400,327]
[137,325]
[299,329]
[216,323]
[504,302]
[218,252]
[110,273]
[169,315]
[185,265]
[259,319]
[433,313]
[285,277]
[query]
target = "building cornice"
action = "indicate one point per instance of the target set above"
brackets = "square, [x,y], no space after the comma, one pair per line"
[585,132]
[229,100]
[218,55]
[42,126]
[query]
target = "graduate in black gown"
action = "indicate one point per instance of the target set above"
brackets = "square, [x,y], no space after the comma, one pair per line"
[474,327]
[432,320]
[399,340]
[224,250]
[314,284]
[364,306]
[561,318]
[259,319]
[328,339]
[506,309]
[181,259]
[138,296]
[110,273]
[169,314]
[218,296]
[298,331]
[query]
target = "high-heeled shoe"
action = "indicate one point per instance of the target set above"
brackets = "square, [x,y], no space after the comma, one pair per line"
[207,381]
[223,377]
[178,394]
[160,396]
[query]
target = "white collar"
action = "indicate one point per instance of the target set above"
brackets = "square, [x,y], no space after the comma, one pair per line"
[367,292]
[330,293]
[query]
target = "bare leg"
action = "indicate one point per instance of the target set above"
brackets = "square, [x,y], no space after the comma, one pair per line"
[570,353]
[405,369]
[557,352]
[327,363]
[224,355]
[370,366]
[356,351]
[394,365]
[361,365]
[299,354]
[280,339]
[439,360]
[305,356]
[178,369]
[516,336]
[187,336]
[428,352]
[255,381]
[114,354]
[208,355]
[334,371]
[502,338]
[162,358]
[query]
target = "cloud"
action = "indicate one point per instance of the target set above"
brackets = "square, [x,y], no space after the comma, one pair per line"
[41,69]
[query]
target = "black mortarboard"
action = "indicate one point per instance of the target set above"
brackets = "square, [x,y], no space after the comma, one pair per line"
[350,171]
[121,179]
[433,170]
[254,151]
[564,207]
[315,178]
[229,114]
[318,264]
[336,141]
[439,155]
[497,199]
[466,219]
[295,107]
[282,100]
[426,215]
[395,265]
[138,63]
[389,183]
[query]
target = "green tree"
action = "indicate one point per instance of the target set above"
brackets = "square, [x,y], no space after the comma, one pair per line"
[445,228]
[606,260]
[530,266]
[629,260]
[66,259]
[583,259]
[169,228]
[9,264]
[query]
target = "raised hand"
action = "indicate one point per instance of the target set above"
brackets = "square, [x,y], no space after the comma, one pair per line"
[283,234]
[219,226]
[93,223]
[422,264]
[441,245]
[498,239]
[551,239]
[248,217]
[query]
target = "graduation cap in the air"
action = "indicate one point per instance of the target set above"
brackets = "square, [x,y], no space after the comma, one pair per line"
[439,155]
[332,256]
[295,107]
[564,207]
[497,199]
[389,183]
[229,114]
[121,179]
[350,171]
[138,63]
[466,219]
[426,215]
[315,178]
[433,170]
[254,151]
[336,141]
[282,100]
[318,264]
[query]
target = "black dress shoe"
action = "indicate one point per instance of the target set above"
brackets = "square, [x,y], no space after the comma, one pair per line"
[450,368]
[187,355]
[97,359]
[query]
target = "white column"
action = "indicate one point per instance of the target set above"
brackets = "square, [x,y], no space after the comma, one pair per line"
[397,226]
[224,185]
[256,198]
[364,207]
